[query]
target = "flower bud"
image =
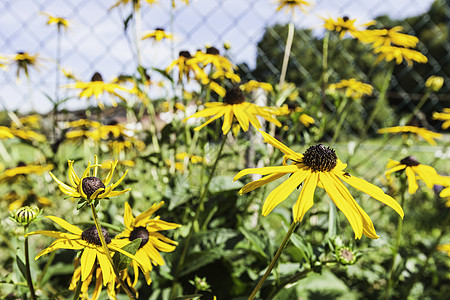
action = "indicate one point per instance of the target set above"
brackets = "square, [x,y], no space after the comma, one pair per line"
[25,215]
[434,83]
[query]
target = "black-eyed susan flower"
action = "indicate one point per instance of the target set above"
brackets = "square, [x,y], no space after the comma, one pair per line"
[23,61]
[60,22]
[90,187]
[187,66]
[82,128]
[158,35]
[234,105]
[251,85]
[353,88]
[87,240]
[389,36]
[434,83]
[427,135]
[98,278]
[25,214]
[290,5]
[442,116]
[345,25]
[14,174]
[212,57]
[320,167]
[97,87]
[413,171]
[398,54]
[152,242]
[136,3]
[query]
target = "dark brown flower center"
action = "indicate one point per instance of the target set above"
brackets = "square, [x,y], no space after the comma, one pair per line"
[159,29]
[96,77]
[234,95]
[345,18]
[410,161]
[91,236]
[320,158]
[185,54]
[139,232]
[212,50]
[90,185]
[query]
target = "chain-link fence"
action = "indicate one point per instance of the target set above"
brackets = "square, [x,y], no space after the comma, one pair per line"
[97,41]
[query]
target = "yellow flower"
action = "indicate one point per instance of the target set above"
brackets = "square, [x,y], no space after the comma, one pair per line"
[186,65]
[353,89]
[344,25]
[443,116]
[147,228]
[290,5]
[30,121]
[317,167]
[13,174]
[422,132]
[234,105]
[23,61]
[251,85]
[434,83]
[97,87]
[136,3]
[213,57]
[31,198]
[444,248]
[388,37]
[88,241]
[412,167]
[90,187]
[98,283]
[158,35]
[306,120]
[5,133]
[399,54]
[59,21]
[185,1]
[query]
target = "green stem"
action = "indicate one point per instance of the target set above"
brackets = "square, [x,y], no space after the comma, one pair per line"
[342,112]
[397,242]
[27,266]
[197,215]
[47,265]
[287,53]
[107,253]
[77,291]
[332,219]
[274,260]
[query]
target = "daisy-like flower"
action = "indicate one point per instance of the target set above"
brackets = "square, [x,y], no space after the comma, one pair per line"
[212,57]
[317,167]
[82,128]
[345,25]
[353,88]
[97,87]
[23,61]
[388,37]
[434,83]
[427,135]
[58,21]
[22,169]
[251,85]
[413,170]
[84,294]
[442,116]
[147,229]
[158,35]
[90,187]
[234,105]
[291,5]
[28,122]
[87,240]
[186,65]
[399,54]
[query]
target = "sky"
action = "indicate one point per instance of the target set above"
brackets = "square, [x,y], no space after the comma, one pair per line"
[96,40]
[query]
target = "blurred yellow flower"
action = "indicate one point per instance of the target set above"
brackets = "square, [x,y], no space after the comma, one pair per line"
[345,25]
[442,116]
[306,120]
[185,2]
[444,248]
[84,294]
[411,167]
[23,61]
[353,88]
[291,5]
[158,35]
[90,187]
[427,135]
[136,3]
[186,65]
[234,105]
[58,21]
[31,198]
[97,87]
[27,122]
[434,83]
[5,133]
[388,37]
[251,85]
[14,174]
[399,54]
[147,229]
[320,167]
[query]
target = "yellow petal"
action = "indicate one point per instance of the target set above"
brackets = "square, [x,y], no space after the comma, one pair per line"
[105,265]
[427,174]
[227,121]
[412,181]
[393,169]
[66,225]
[277,144]
[142,218]
[284,190]
[220,114]
[266,170]
[241,115]
[87,262]
[306,198]
[260,182]
[110,173]
[128,218]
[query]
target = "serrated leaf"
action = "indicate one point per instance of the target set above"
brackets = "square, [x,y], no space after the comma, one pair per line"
[121,261]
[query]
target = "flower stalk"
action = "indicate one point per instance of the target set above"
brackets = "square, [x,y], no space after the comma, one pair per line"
[27,266]
[274,260]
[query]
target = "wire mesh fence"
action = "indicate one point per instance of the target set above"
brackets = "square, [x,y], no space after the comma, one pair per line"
[101,38]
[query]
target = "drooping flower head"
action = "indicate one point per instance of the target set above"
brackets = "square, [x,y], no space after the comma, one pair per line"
[187,66]
[414,171]
[290,5]
[353,88]
[345,25]
[427,135]
[152,242]
[90,187]
[234,105]
[320,167]
[23,61]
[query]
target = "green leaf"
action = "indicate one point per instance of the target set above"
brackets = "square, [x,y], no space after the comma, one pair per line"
[121,261]
[189,297]
[21,266]
[298,242]
[255,240]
